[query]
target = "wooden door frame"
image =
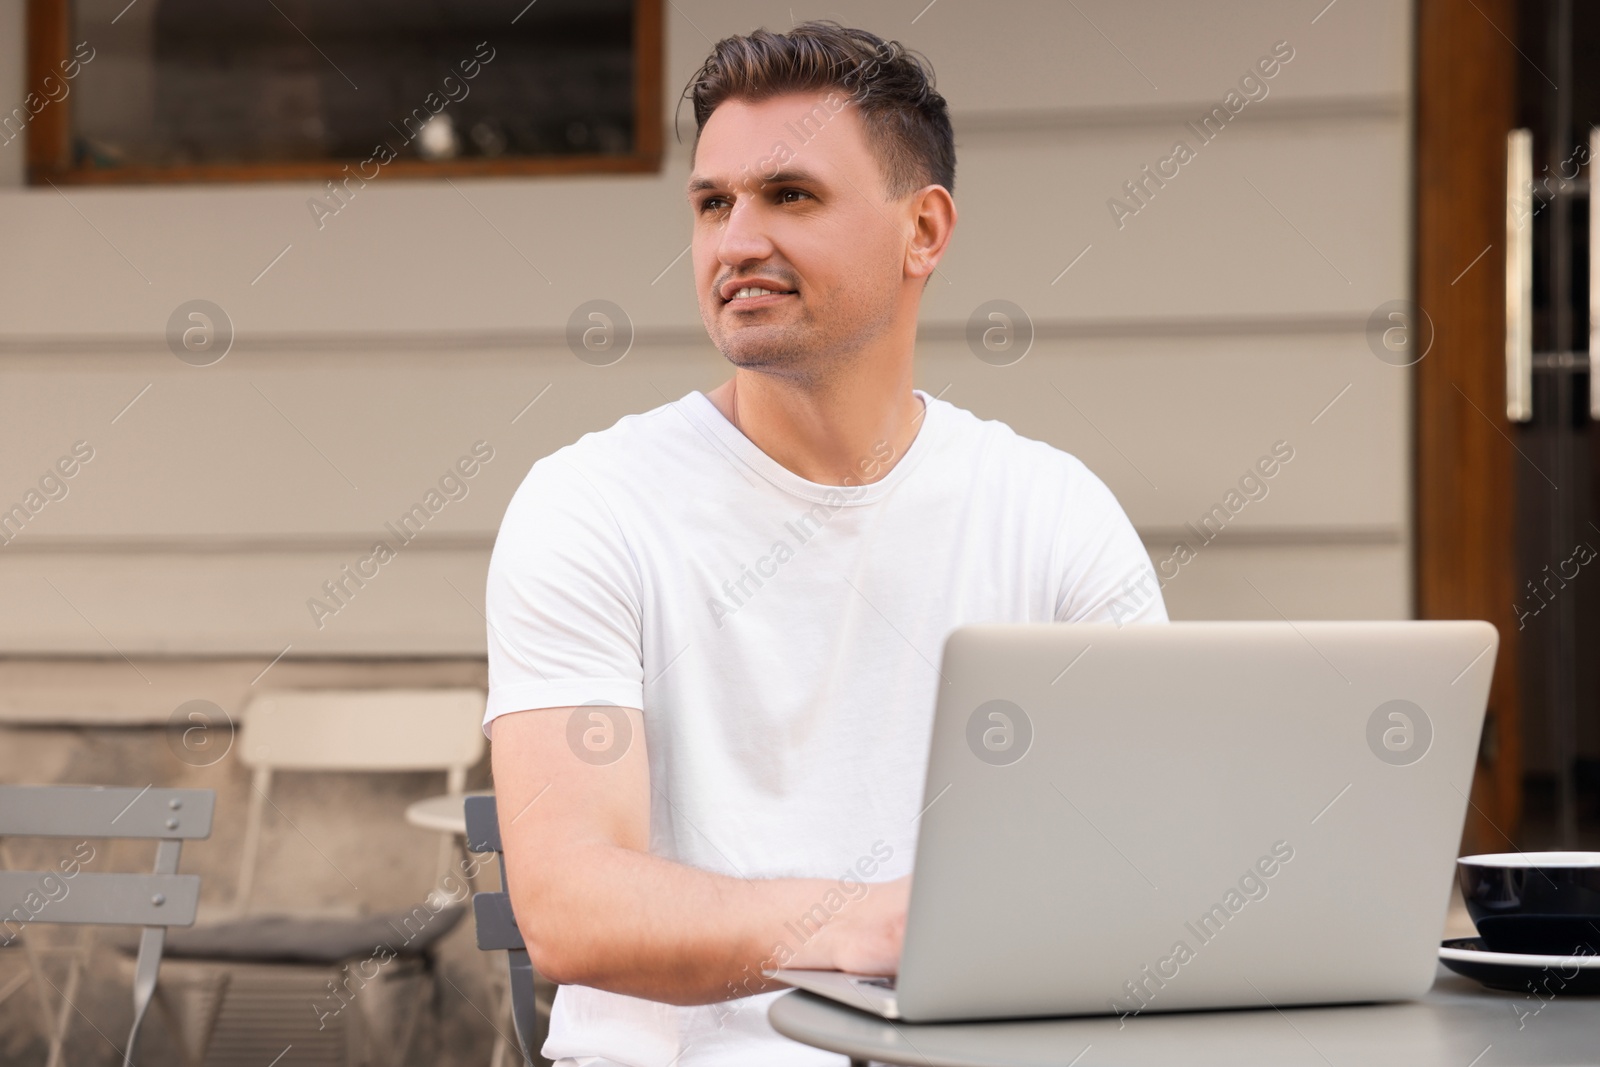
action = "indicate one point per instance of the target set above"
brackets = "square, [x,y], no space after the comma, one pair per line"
[1464,496]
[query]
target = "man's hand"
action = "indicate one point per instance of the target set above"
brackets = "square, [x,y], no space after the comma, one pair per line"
[865,936]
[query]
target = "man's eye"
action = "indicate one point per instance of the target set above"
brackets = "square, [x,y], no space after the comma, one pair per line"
[711,203]
[792,192]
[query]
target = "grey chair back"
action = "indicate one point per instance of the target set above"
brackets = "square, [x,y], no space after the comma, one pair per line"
[497,926]
[154,901]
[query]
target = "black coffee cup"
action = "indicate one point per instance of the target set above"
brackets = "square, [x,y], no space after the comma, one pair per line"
[1542,903]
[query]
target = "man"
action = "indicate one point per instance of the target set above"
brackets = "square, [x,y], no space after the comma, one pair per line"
[715,628]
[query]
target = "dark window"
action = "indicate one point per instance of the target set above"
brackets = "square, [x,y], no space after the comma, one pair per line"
[241,90]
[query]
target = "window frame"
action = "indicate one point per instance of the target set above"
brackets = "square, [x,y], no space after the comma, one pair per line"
[49,132]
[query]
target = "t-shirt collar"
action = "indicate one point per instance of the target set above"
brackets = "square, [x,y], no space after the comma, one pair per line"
[700,408]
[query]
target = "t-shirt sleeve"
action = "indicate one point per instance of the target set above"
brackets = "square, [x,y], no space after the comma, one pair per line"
[1106,574]
[562,600]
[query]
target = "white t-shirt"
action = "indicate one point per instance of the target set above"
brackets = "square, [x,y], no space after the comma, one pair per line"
[782,639]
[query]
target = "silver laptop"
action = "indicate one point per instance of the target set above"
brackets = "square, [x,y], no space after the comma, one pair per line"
[1182,816]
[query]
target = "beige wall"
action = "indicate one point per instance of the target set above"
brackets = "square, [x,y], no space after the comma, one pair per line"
[1223,317]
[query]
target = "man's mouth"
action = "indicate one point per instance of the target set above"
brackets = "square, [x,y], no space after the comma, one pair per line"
[754,293]
[755,296]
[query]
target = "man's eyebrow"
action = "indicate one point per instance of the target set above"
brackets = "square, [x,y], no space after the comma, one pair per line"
[792,175]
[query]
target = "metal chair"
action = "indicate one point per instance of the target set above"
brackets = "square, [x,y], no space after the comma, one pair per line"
[355,730]
[497,929]
[154,901]
[280,963]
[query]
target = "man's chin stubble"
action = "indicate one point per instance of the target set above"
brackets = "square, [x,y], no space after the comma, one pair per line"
[786,363]
[789,356]
[783,358]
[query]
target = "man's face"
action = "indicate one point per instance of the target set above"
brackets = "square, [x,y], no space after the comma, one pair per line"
[786,192]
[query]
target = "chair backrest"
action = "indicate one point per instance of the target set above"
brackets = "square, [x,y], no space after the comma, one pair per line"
[360,730]
[364,730]
[155,901]
[497,925]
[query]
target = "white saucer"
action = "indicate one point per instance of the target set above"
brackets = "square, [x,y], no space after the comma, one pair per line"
[1515,959]
[1522,971]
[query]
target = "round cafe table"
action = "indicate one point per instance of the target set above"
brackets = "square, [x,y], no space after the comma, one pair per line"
[446,813]
[1458,1023]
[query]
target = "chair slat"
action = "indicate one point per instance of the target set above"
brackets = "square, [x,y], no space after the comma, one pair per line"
[105,811]
[363,729]
[497,925]
[483,825]
[108,899]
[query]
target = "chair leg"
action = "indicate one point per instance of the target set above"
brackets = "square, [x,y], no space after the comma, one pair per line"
[165,1010]
[523,1010]
[193,1041]
[144,982]
[36,968]
[448,846]
[40,985]
[501,1042]
[75,968]
[426,1000]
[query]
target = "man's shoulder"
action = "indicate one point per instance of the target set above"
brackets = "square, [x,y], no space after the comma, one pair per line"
[592,483]
[660,426]
[634,448]
[1003,448]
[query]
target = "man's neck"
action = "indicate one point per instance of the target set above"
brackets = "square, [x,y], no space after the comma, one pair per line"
[849,432]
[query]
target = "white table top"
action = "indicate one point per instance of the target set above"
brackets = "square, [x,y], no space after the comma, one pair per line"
[443,813]
[1458,1024]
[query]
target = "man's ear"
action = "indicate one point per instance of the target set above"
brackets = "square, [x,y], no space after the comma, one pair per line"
[933,220]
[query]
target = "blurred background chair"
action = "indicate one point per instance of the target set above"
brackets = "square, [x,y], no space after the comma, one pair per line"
[255,982]
[69,894]
[496,925]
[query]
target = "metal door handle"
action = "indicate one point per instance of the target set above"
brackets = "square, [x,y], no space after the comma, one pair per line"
[1594,274]
[1519,276]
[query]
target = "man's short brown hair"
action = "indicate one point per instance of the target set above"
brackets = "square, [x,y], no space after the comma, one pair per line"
[906,121]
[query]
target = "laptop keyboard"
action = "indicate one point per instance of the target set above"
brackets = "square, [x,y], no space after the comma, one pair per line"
[881,983]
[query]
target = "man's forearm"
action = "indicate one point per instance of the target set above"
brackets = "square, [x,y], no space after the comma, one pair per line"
[633,923]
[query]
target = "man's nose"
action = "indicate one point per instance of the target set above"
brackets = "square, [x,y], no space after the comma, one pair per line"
[744,235]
